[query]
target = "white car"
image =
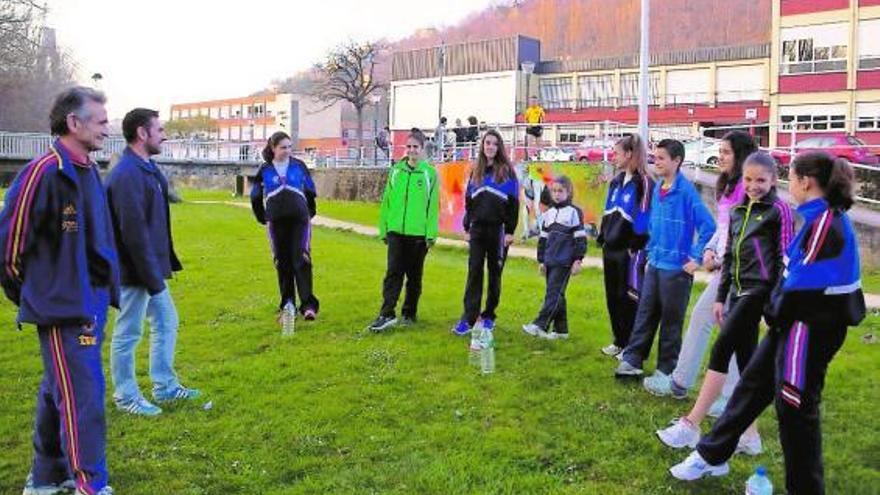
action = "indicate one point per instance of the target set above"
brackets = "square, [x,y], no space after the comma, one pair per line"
[709,152]
[555,155]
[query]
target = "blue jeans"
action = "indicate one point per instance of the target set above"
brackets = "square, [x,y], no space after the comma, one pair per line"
[136,304]
[696,341]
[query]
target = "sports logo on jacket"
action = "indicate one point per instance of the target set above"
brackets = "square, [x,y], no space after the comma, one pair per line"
[69,225]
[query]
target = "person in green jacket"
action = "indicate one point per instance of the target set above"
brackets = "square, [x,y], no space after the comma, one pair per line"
[408,224]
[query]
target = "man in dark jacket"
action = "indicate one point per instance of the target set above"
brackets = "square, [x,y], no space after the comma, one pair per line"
[138,196]
[60,269]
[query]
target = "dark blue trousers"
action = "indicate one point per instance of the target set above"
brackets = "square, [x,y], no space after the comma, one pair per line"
[70,430]
[662,303]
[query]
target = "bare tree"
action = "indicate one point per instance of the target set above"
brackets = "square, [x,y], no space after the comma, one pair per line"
[32,67]
[348,74]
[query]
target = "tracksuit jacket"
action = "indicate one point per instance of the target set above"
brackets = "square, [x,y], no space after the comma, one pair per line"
[291,197]
[492,203]
[627,210]
[675,219]
[410,202]
[759,234]
[52,268]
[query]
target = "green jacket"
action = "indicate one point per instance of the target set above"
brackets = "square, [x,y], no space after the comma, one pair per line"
[410,204]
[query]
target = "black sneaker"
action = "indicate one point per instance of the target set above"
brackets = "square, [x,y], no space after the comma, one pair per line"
[406,321]
[382,323]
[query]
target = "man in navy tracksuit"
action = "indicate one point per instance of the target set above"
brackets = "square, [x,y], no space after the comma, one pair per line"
[138,196]
[60,269]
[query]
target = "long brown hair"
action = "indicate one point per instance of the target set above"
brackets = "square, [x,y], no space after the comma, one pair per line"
[501,165]
[633,144]
[743,145]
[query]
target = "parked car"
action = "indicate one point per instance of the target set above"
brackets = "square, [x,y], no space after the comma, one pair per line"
[593,150]
[556,154]
[842,146]
[710,152]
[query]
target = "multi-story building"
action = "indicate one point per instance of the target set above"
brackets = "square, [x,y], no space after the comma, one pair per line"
[825,69]
[313,125]
[250,118]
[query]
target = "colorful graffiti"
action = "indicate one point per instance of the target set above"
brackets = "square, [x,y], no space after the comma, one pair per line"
[589,193]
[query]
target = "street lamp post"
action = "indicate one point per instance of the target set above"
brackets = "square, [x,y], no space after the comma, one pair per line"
[528,69]
[375,99]
[441,66]
[643,72]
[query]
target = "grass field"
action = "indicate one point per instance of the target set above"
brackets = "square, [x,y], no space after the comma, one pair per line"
[338,410]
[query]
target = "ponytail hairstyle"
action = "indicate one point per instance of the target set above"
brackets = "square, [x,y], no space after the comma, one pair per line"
[633,144]
[743,146]
[834,176]
[501,165]
[274,139]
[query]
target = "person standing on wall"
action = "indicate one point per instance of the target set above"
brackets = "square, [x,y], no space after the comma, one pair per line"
[138,196]
[534,117]
[60,269]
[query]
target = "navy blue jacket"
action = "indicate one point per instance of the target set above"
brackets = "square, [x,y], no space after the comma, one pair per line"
[627,209]
[492,203]
[54,261]
[563,238]
[138,196]
[292,197]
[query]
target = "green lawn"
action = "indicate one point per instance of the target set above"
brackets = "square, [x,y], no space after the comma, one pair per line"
[338,410]
[362,212]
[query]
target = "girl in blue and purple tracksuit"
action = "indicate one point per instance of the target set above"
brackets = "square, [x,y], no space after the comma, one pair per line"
[283,197]
[818,298]
[623,236]
[491,214]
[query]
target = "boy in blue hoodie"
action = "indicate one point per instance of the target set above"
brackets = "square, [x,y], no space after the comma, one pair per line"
[678,215]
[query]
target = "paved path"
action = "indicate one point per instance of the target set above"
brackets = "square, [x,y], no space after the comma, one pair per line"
[871,300]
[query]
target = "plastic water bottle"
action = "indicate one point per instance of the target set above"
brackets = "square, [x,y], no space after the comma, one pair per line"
[475,349]
[759,483]
[487,351]
[288,319]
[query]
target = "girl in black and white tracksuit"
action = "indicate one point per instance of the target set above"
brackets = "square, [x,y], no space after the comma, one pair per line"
[491,214]
[283,197]
[561,248]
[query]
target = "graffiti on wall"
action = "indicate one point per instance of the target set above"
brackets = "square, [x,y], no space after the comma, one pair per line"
[589,193]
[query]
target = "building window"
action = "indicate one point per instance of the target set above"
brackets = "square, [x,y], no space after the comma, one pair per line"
[868,115]
[812,49]
[869,44]
[808,118]
[596,91]
[556,93]
[629,89]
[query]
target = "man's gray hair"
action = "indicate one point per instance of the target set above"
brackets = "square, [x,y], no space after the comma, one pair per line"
[72,100]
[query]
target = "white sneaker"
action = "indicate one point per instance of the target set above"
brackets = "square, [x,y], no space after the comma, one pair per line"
[749,445]
[532,329]
[695,467]
[679,434]
[611,350]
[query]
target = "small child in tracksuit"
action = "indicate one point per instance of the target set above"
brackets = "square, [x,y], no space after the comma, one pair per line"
[561,248]
[817,299]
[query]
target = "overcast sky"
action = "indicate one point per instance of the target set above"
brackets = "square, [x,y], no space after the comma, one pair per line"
[156,52]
